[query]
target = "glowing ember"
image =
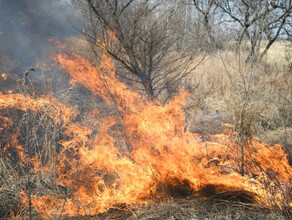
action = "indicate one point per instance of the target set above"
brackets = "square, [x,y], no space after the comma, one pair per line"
[4,76]
[142,152]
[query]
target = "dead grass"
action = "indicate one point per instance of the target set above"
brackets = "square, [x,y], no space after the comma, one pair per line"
[280,53]
[255,99]
[182,209]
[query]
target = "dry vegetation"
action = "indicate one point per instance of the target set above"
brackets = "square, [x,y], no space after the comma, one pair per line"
[225,89]
[182,209]
[254,99]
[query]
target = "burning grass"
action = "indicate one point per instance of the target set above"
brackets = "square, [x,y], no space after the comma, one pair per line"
[191,209]
[85,163]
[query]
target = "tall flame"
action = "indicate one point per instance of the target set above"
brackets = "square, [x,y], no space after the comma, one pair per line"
[143,151]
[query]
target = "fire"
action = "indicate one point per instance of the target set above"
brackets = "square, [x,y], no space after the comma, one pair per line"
[23,103]
[57,43]
[141,152]
[4,76]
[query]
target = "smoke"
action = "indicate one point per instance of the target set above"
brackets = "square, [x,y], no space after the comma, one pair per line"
[27,25]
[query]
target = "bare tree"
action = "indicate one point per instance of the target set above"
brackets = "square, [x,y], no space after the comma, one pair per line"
[144,41]
[206,9]
[257,20]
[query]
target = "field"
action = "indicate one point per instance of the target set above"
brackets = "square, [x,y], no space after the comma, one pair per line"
[224,85]
[77,142]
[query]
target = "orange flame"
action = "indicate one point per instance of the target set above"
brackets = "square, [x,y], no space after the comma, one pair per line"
[142,151]
[4,76]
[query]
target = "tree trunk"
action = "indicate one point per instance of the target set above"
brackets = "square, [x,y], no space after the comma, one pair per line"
[148,88]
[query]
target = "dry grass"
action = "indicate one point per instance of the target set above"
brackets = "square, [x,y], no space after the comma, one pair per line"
[256,99]
[280,53]
[182,209]
[204,209]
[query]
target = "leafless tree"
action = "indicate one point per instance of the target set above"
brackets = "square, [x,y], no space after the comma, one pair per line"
[207,9]
[252,21]
[258,20]
[140,36]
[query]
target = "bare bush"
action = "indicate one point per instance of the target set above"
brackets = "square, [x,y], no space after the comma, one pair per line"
[140,36]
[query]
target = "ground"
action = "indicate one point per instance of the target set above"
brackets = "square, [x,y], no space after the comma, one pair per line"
[189,209]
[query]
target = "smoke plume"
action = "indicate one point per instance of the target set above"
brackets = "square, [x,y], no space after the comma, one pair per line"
[26,27]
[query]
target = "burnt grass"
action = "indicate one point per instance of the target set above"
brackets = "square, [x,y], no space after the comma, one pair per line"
[230,204]
[198,208]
